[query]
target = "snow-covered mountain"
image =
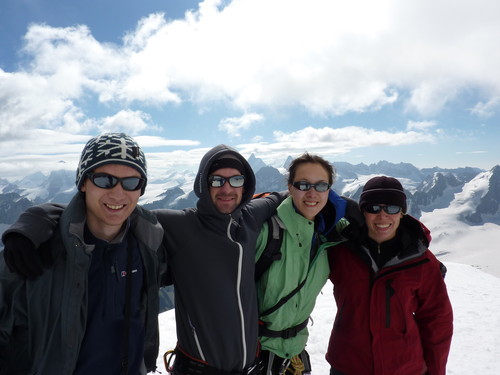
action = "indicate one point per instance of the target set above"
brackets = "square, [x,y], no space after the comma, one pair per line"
[427,189]
[469,225]
[461,206]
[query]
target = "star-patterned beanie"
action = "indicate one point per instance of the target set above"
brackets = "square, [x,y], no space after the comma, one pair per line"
[110,148]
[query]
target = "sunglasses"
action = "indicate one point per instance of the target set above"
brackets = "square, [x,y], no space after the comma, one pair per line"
[376,208]
[219,181]
[107,181]
[320,187]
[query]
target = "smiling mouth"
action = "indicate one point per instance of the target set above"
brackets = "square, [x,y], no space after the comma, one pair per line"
[311,204]
[383,226]
[225,198]
[114,207]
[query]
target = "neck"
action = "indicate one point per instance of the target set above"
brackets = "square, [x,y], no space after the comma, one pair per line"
[107,233]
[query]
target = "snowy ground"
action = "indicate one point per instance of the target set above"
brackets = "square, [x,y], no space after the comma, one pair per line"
[475,296]
[454,241]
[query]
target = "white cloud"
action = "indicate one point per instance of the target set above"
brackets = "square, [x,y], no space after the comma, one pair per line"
[154,141]
[42,150]
[130,122]
[324,57]
[471,152]
[234,125]
[329,57]
[332,142]
[420,125]
[488,108]
[28,101]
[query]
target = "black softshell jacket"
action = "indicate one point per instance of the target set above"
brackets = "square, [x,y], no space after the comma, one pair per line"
[211,257]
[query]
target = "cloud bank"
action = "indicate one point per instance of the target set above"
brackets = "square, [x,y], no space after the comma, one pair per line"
[328,58]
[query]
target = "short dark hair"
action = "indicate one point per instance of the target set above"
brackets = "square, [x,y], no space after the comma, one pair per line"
[310,158]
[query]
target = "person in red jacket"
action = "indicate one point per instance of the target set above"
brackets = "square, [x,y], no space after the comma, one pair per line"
[394,316]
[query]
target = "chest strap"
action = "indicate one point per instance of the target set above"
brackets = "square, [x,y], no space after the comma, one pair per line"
[284,334]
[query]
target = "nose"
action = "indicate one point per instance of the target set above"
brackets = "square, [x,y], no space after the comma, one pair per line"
[311,191]
[383,213]
[226,187]
[117,189]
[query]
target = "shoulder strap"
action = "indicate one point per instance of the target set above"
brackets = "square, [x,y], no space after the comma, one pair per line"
[261,195]
[272,251]
[285,299]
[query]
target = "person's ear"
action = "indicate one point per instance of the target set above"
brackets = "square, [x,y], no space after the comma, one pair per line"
[83,188]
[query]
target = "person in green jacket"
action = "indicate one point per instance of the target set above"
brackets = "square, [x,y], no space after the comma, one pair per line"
[287,290]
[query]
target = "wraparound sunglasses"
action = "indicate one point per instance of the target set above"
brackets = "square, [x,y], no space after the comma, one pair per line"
[219,181]
[376,208]
[108,181]
[320,187]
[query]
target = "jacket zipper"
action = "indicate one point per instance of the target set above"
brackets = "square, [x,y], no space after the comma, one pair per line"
[389,290]
[238,292]
[198,345]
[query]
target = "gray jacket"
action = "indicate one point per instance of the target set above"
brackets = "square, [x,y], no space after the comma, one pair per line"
[211,257]
[42,321]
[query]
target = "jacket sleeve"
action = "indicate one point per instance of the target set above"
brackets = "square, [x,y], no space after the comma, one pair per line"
[10,286]
[37,223]
[434,317]
[263,208]
[355,230]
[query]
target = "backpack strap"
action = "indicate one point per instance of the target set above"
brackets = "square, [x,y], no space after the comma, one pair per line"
[284,334]
[272,251]
[285,299]
[261,195]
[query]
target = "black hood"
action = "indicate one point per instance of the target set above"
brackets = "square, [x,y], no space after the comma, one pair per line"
[200,187]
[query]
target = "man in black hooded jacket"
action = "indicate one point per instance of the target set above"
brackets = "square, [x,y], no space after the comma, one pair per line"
[211,257]
[211,261]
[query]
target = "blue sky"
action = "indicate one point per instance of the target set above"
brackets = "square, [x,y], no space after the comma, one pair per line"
[405,81]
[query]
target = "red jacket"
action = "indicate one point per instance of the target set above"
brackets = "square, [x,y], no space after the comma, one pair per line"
[396,320]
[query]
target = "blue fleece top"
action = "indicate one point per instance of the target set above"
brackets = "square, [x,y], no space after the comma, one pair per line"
[102,346]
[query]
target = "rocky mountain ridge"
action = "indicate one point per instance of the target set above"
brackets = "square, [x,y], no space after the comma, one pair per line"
[428,189]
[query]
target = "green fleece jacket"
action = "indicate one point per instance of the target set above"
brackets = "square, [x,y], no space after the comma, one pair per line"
[286,274]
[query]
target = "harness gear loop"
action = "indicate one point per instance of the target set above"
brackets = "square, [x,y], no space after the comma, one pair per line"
[168,360]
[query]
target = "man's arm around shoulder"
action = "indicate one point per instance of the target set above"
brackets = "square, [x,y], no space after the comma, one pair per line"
[263,207]
[37,223]
[22,240]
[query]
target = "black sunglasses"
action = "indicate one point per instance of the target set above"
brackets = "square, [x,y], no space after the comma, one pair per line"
[376,208]
[219,181]
[320,187]
[107,181]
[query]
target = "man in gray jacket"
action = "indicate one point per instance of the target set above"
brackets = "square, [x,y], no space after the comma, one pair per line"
[95,310]
[211,260]
[211,256]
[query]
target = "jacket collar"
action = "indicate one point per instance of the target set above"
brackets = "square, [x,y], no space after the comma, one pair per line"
[142,223]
